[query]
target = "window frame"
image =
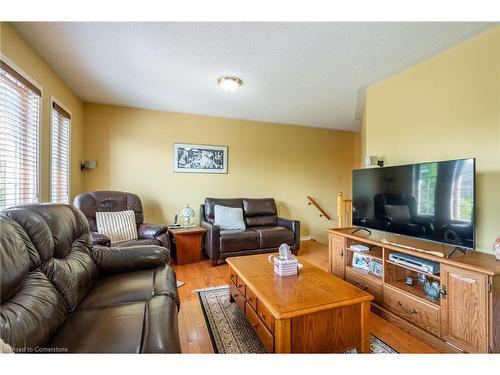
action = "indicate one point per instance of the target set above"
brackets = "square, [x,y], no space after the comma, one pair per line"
[59,103]
[41,127]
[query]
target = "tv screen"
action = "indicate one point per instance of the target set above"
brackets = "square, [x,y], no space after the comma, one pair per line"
[432,201]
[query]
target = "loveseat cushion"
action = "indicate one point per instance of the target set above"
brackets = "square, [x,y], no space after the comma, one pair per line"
[227,202]
[274,236]
[236,240]
[260,212]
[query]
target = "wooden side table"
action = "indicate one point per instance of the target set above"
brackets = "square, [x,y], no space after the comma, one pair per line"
[188,244]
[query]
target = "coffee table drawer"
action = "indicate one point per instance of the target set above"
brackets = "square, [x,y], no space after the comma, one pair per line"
[366,284]
[232,276]
[251,298]
[237,296]
[241,286]
[265,315]
[265,336]
[418,312]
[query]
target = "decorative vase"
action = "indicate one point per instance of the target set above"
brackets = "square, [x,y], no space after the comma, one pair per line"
[496,248]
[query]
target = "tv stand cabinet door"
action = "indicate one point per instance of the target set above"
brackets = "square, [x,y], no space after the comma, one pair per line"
[464,309]
[336,255]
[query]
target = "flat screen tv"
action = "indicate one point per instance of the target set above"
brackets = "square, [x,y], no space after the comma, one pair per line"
[433,201]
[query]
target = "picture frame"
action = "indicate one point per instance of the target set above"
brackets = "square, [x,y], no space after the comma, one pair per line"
[376,268]
[195,158]
[361,261]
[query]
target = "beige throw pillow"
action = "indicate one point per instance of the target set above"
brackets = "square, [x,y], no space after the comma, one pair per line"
[119,226]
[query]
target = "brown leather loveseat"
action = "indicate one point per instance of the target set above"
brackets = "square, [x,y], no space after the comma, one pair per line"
[264,232]
[59,294]
[109,201]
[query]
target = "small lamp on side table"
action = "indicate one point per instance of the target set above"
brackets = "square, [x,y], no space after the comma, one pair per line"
[187,213]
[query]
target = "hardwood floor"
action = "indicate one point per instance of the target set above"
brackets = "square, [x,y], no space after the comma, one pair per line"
[192,328]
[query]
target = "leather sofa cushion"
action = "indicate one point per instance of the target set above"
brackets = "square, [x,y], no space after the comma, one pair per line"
[112,329]
[259,207]
[232,240]
[259,221]
[274,236]
[90,203]
[64,242]
[131,287]
[147,326]
[228,202]
[33,314]
[138,242]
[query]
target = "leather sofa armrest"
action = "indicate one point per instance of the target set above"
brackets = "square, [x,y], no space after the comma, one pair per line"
[127,259]
[294,226]
[212,239]
[99,239]
[155,231]
[151,230]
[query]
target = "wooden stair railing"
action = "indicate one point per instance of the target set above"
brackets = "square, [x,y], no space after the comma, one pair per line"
[315,204]
[344,210]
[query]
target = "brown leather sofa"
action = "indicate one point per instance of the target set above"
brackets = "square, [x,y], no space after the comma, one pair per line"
[59,294]
[264,232]
[106,201]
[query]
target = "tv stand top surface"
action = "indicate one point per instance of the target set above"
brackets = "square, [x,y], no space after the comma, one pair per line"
[472,260]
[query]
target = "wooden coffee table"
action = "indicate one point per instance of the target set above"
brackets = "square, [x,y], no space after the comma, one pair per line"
[187,244]
[312,312]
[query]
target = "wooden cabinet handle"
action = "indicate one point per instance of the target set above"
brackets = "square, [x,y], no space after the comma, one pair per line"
[262,316]
[249,299]
[442,291]
[236,295]
[341,252]
[255,325]
[240,286]
[407,310]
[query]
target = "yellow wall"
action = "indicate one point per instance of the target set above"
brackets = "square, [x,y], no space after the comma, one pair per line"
[16,49]
[447,107]
[134,147]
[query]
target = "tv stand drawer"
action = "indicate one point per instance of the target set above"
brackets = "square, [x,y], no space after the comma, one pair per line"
[366,284]
[418,312]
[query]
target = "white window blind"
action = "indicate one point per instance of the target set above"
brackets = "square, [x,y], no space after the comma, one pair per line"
[19,138]
[60,154]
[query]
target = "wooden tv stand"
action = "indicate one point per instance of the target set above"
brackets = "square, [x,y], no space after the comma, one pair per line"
[466,318]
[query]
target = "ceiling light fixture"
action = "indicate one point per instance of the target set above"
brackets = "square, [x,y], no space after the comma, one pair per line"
[229,84]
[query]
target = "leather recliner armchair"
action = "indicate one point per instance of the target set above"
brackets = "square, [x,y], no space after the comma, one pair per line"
[59,294]
[106,201]
[264,232]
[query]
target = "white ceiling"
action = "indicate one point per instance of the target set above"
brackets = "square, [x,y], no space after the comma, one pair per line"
[298,73]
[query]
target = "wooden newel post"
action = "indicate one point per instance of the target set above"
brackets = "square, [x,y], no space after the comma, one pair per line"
[340,204]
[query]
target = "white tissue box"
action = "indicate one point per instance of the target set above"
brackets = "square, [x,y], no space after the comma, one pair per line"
[286,267]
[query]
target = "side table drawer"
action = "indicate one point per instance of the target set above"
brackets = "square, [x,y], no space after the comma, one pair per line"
[265,336]
[237,296]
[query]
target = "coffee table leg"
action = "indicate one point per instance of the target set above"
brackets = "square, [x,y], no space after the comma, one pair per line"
[365,324]
[282,336]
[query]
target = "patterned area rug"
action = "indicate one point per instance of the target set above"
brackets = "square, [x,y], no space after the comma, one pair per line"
[230,332]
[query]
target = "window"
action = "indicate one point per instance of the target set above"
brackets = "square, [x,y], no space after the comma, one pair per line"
[60,154]
[427,178]
[462,192]
[19,138]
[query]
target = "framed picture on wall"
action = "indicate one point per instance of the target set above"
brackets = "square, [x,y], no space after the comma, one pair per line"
[189,158]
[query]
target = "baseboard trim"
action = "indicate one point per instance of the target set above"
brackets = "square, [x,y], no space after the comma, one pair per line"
[305,238]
